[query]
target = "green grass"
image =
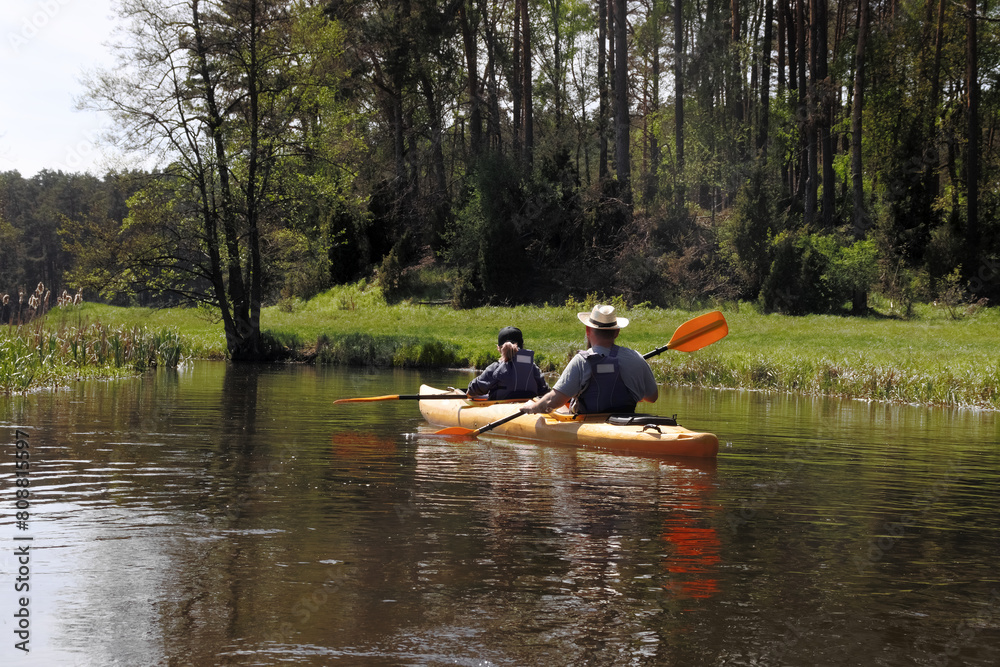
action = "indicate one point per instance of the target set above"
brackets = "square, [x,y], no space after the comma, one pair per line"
[928,359]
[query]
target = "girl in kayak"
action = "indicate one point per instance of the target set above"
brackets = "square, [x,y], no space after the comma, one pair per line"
[514,375]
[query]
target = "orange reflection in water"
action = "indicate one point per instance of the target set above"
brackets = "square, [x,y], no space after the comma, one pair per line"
[693,546]
[351,443]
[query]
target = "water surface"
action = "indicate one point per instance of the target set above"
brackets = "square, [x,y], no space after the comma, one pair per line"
[233,515]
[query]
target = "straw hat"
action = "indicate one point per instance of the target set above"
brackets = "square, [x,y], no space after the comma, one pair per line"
[603,317]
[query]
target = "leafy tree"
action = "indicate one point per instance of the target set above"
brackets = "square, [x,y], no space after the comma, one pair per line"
[235,96]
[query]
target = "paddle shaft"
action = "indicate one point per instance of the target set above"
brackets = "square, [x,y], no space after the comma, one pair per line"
[493,425]
[402,397]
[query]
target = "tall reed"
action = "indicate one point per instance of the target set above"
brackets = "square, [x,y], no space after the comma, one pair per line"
[37,355]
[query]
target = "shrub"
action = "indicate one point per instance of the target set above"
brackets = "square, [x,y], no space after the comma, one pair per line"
[816,273]
[747,237]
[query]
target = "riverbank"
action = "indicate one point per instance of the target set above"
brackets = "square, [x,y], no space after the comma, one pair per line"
[929,358]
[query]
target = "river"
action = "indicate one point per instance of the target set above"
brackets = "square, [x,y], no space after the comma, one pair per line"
[232,515]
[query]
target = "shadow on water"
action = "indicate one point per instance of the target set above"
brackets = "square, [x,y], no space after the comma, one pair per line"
[233,515]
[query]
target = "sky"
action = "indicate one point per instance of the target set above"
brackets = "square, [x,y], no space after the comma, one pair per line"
[45,47]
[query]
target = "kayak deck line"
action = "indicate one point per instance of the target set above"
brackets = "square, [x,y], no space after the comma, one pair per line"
[661,437]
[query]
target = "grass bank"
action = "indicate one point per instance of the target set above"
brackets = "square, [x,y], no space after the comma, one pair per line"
[927,359]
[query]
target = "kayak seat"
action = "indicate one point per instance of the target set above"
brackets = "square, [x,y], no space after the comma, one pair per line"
[641,420]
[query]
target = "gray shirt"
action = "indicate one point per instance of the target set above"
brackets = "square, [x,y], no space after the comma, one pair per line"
[635,373]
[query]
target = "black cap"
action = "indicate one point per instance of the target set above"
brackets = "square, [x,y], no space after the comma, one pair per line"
[512,334]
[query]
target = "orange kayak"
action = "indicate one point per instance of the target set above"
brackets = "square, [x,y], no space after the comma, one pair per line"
[646,434]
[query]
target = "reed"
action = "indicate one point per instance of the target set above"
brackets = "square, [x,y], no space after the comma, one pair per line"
[42,355]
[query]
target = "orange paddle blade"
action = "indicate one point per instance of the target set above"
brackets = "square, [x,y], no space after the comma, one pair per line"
[699,332]
[455,430]
[458,430]
[368,399]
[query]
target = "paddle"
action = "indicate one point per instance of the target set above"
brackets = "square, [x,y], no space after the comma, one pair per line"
[459,430]
[401,397]
[695,334]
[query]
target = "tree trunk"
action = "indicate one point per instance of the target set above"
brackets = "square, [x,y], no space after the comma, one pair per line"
[803,111]
[811,115]
[860,298]
[781,44]
[622,120]
[602,89]
[679,97]
[765,81]
[472,66]
[974,134]
[558,79]
[241,337]
[528,147]
[493,132]
[825,114]
[516,80]
[652,179]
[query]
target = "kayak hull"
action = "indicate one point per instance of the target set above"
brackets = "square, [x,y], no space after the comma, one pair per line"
[582,430]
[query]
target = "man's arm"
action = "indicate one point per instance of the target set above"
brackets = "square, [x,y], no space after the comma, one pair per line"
[641,380]
[547,403]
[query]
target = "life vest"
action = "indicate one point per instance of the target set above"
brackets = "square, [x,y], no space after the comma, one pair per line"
[516,379]
[606,390]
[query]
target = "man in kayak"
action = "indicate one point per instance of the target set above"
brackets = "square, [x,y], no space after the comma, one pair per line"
[603,378]
[515,375]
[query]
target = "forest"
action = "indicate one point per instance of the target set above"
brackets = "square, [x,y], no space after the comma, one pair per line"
[805,155]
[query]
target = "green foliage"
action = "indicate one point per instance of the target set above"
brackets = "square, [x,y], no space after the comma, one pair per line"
[367,161]
[484,241]
[955,299]
[389,278]
[593,298]
[746,237]
[363,349]
[816,273]
[930,358]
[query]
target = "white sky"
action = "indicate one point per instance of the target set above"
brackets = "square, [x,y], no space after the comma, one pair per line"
[45,46]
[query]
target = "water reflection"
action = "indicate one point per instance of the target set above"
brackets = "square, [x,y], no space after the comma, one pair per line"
[232,515]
